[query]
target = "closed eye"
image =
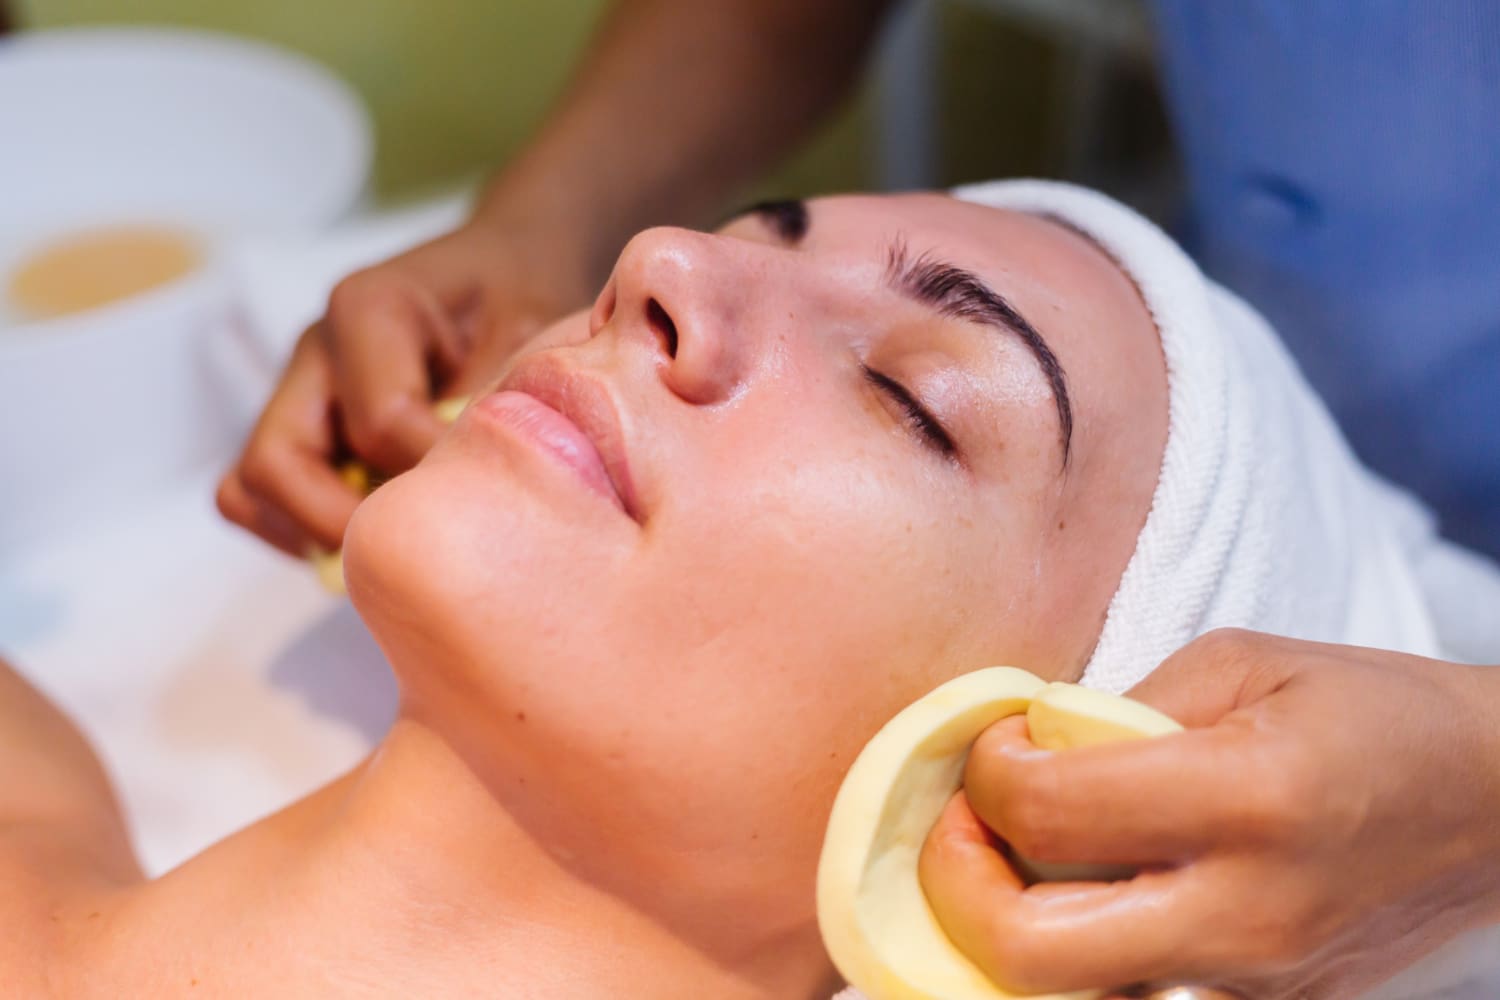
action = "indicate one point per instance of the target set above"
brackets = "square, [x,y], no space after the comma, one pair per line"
[918,418]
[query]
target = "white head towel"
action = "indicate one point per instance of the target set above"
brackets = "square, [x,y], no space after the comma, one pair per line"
[1262,517]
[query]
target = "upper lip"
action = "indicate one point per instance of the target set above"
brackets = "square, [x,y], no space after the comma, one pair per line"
[590,406]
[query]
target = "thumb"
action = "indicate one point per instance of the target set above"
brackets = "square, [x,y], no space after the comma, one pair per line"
[1215,674]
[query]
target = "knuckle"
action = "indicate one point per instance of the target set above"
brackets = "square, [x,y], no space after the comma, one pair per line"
[986,770]
[375,431]
[264,469]
[1271,803]
[1031,818]
[1227,645]
[359,294]
[1252,661]
[257,469]
[230,499]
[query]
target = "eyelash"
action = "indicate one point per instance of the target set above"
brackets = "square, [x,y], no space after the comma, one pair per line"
[917,416]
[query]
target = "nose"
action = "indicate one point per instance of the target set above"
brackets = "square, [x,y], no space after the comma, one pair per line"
[688,296]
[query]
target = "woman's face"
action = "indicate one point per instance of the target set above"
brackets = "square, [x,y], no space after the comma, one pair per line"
[703,540]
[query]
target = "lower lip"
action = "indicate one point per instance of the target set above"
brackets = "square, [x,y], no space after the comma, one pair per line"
[541,425]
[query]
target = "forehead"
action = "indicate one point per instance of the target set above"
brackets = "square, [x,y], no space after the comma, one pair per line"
[1022,254]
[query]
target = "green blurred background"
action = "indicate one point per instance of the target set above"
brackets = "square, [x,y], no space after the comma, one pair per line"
[455,86]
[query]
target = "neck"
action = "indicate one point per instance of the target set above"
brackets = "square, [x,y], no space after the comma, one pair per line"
[446,881]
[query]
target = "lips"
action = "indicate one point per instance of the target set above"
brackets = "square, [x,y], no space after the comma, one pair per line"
[574,418]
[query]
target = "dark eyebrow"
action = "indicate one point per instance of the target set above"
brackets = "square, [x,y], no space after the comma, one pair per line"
[786,217]
[958,293]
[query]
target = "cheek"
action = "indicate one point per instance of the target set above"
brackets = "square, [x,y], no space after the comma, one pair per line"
[810,532]
[792,579]
[814,599]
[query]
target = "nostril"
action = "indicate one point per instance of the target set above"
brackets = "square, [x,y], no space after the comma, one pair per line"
[662,323]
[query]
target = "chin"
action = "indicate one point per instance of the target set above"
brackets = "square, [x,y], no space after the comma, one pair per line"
[397,563]
[454,562]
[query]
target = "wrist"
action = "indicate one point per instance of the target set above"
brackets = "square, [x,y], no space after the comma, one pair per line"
[552,240]
[1488,679]
[1480,687]
[555,230]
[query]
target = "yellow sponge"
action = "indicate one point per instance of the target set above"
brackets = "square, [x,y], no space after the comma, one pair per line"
[875,920]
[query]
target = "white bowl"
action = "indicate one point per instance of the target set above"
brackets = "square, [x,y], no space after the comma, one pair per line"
[218,137]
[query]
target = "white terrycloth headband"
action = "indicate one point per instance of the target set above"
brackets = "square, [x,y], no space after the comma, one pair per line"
[1261,516]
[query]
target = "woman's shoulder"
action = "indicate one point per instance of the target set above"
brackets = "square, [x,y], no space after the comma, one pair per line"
[76,925]
[65,856]
[78,917]
[62,894]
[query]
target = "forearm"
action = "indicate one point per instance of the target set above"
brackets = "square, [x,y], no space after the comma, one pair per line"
[677,104]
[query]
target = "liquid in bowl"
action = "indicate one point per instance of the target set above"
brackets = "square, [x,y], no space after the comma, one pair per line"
[94,267]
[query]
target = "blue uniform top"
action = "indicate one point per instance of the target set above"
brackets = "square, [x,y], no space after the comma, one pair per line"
[1344,171]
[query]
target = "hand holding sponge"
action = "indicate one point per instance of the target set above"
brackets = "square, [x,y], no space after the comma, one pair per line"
[876,922]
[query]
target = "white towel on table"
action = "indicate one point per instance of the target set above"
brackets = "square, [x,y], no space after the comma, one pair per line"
[1262,517]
